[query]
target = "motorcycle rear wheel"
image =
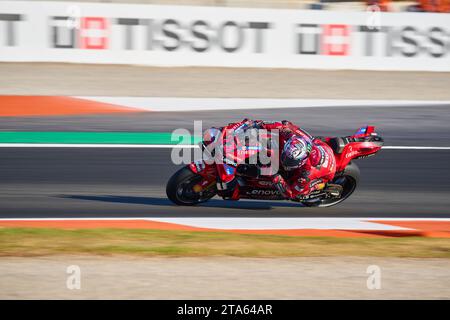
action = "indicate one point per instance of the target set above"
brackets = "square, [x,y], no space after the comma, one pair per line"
[179,188]
[348,180]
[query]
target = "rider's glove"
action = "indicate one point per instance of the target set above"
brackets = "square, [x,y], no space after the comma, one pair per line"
[282,186]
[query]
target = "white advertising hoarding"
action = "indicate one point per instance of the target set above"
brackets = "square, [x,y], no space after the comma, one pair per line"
[224,37]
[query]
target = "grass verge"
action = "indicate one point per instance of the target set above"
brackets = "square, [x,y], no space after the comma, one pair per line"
[41,242]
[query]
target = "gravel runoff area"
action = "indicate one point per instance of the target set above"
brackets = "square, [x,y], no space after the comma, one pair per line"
[223,278]
[122,80]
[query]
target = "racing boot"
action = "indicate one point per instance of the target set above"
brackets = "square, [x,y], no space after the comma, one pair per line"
[228,190]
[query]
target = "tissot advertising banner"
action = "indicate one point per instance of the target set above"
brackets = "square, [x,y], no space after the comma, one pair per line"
[226,37]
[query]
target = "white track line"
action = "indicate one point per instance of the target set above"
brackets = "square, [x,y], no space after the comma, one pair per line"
[169,104]
[279,223]
[235,218]
[414,148]
[163,146]
[229,223]
[93,145]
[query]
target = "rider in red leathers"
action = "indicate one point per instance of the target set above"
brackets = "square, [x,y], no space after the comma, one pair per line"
[306,163]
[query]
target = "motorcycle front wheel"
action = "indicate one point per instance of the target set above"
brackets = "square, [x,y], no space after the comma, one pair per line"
[180,191]
[348,180]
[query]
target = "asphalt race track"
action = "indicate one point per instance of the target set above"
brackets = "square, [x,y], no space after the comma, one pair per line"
[88,182]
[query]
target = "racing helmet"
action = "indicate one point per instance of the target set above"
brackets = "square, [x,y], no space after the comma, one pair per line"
[295,153]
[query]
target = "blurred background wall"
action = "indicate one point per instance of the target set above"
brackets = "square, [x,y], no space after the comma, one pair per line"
[385,5]
[398,5]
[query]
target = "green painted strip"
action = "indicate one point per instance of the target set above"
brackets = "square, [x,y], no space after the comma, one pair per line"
[94,137]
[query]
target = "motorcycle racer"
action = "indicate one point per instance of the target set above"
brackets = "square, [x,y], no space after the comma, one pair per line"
[307,163]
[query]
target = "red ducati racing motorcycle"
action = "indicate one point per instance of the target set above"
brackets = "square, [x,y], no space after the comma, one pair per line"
[196,182]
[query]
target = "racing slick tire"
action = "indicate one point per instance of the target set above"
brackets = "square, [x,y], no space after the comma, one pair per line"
[179,188]
[348,179]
